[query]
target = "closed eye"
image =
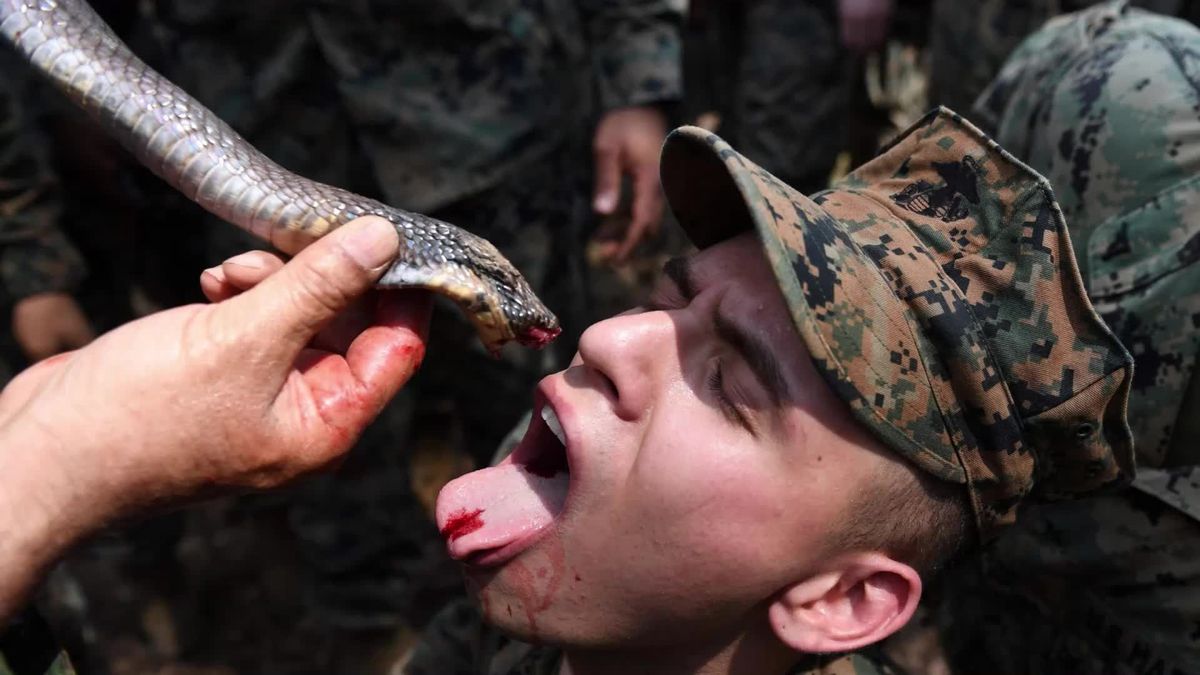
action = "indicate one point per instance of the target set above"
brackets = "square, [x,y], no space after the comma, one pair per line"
[715,382]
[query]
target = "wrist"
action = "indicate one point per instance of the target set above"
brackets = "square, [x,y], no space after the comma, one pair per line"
[39,520]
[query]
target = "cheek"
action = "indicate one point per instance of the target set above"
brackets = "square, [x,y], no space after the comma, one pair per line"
[701,487]
[709,493]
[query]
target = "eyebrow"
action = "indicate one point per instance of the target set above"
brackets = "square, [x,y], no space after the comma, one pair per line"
[753,349]
[679,271]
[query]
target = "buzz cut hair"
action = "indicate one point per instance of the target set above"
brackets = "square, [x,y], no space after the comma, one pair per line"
[913,517]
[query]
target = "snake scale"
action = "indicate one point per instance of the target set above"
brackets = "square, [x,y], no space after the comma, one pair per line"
[201,156]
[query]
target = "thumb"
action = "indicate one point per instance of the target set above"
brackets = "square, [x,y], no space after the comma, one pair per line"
[293,304]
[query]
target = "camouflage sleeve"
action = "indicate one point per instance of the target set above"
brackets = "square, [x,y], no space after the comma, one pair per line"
[636,51]
[35,256]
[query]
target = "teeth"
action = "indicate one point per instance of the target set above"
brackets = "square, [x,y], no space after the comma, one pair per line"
[551,419]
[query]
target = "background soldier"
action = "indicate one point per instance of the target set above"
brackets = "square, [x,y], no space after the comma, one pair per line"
[1103,103]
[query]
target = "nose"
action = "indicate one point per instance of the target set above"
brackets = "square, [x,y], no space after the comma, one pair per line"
[633,353]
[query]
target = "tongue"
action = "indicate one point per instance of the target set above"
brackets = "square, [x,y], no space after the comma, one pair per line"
[493,507]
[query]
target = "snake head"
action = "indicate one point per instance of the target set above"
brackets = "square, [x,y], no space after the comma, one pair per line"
[469,270]
[519,315]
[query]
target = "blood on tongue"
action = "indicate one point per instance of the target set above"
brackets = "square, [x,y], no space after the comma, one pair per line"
[518,502]
[462,523]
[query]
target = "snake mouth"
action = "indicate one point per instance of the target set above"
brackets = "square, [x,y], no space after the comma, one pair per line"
[538,337]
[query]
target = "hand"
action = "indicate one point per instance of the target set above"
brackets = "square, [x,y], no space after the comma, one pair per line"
[251,391]
[864,23]
[628,142]
[46,324]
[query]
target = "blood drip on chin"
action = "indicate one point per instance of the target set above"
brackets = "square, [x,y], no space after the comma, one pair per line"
[525,582]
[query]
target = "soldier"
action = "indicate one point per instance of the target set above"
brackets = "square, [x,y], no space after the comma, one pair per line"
[969,41]
[1103,102]
[913,347]
[39,268]
[907,281]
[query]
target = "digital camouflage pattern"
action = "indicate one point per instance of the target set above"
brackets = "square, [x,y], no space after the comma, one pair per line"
[780,79]
[936,292]
[969,41]
[1110,121]
[472,112]
[440,121]
[1103,102]
[35,256]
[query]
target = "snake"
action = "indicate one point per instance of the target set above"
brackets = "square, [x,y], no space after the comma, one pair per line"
[197,153]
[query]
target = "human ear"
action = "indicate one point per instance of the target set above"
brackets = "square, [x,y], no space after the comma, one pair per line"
[866,598]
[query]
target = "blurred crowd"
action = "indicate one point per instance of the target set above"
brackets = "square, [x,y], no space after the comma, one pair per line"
[534,124]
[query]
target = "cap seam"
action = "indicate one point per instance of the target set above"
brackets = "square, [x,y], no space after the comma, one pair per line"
[844,375]
[974,319]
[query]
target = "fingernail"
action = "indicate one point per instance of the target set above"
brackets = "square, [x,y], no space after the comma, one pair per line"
[244,260]
[605,203]
[371,243]
[213,272]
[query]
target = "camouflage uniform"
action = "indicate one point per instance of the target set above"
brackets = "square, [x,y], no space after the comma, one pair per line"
[936,292]
[969,41]
[785,93]
[1104,103]
[35,256]
[472,112]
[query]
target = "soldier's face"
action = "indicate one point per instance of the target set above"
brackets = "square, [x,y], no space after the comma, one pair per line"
[709,466]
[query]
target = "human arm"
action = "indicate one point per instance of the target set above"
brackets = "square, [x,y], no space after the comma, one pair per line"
[636,57]
[245,393]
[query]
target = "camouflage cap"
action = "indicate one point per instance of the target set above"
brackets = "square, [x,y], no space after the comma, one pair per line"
[937,293]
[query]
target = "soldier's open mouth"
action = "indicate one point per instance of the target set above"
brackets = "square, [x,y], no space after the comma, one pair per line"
[545,453]
[491,515]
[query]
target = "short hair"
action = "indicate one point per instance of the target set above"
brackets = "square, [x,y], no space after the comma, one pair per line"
[913,517]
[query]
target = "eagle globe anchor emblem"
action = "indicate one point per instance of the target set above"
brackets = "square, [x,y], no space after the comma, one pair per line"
[948,201]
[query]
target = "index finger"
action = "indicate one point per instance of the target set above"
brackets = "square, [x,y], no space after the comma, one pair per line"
[385,355]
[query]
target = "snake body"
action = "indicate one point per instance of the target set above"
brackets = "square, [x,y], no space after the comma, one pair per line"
[198,154]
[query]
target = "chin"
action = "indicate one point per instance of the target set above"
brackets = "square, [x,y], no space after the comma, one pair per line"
[528,596]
